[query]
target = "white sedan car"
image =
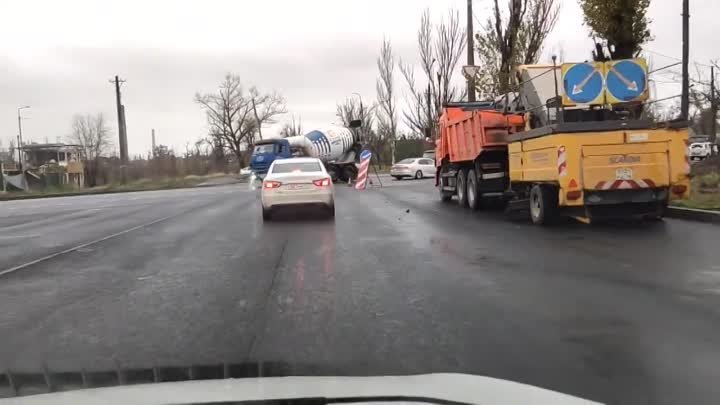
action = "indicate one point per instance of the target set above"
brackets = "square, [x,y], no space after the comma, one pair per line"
[297,182]
[413,167]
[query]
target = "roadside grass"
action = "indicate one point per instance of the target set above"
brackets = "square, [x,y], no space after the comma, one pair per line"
[704,193]
[165,183]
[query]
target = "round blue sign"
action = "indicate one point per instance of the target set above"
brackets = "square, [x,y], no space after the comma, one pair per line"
[365,154]
[626,80]
[583,83]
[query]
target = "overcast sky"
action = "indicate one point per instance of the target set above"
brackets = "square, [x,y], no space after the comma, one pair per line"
[57,56]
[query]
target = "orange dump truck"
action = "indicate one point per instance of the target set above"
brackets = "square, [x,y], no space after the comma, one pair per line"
[472,153]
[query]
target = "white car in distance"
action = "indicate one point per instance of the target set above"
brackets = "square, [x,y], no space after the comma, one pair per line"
[413,167]
[701,150]
[297,182]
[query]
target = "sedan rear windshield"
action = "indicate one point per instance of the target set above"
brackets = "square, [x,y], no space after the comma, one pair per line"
[301,167]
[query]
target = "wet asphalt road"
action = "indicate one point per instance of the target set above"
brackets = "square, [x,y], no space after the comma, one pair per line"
[399,283]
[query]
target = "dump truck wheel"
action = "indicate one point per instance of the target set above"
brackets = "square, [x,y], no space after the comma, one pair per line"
[445,196]
[462,187]
[543,204]
[473,196]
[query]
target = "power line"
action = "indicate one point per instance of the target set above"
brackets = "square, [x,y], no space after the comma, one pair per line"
[675,58]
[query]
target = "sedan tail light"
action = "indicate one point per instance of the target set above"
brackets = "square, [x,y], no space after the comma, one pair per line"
[271,184]
[322,182]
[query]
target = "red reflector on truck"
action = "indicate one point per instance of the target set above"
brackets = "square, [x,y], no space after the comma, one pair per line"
[573,195]
[679,189]
[572,184]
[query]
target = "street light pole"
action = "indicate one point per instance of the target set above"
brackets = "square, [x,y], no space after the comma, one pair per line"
[20,139]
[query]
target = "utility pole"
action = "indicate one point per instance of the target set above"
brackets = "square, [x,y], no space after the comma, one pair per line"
[122,135]
[153,142]
[20,138]
[685,101]
[713,105]
[19,153]
[470,51]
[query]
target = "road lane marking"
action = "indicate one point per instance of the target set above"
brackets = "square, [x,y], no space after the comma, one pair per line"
[18,236]
[93,242]
[84,245]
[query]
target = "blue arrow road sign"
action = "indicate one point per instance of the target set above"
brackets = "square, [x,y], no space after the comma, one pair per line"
[365,154]
[626,80]
[583,83]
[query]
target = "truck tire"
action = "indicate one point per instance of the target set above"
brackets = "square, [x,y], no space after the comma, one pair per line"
[333,172]
[445,196]
[349,172]
[473,195]
[659,215]
[462,187]
[543,204]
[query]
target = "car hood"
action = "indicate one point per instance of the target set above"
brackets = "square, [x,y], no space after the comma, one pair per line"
[426,388]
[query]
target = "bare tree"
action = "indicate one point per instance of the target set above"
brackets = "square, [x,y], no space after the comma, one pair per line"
[705,102]
[235,116]
[92,136]
[266,107]
[353,109]
[11,150]
[385,89]
[291,128]
[508,41]
[443,44]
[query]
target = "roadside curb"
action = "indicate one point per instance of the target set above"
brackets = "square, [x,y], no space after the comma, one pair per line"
[10,197]
[234,181]
[692,214]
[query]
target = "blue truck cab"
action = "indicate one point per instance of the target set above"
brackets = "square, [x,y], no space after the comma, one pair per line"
[265,152]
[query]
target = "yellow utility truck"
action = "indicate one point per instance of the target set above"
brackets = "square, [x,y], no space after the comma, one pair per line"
[590,156]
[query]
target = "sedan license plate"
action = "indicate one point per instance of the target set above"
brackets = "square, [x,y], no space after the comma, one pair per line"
[296,186]
[624,173]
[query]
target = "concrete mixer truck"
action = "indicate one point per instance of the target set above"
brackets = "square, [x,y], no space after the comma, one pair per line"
[337,147]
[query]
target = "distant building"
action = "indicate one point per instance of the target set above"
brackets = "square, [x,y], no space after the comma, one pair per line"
[5,157]
[53,164]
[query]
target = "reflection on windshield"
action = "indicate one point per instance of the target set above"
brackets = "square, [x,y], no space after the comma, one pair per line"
[264,148]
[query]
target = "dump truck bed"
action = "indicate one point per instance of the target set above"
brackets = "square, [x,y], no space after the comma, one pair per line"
[466,132]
